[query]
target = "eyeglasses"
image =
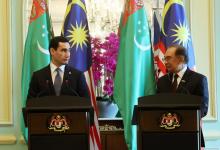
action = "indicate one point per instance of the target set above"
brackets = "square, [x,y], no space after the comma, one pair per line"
[168,58]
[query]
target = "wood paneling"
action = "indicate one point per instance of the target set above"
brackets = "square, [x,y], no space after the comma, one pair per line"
[112,135]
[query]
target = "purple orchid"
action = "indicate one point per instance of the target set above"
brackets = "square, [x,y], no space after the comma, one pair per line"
[104,58]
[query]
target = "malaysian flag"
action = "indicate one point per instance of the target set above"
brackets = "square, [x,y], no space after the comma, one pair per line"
[75,29]
[175,31]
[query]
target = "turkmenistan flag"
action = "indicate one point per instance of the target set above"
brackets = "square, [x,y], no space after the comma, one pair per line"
[36,53]
[135,69]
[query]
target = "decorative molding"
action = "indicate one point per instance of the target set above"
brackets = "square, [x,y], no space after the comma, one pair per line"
[212,135]
[213,65]
[204,42]
[107,127]
[8,139]
[22,140]
[6,111]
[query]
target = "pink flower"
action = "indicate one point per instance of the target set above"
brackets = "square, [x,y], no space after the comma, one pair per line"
[104,57]
[108,87]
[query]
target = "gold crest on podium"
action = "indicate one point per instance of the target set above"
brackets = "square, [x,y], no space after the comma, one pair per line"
[58,123]
[170,121]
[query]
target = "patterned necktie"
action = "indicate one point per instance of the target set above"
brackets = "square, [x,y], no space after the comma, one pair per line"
[57,82]
[174,84]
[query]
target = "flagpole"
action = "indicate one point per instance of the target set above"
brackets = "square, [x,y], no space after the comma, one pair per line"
[157,4]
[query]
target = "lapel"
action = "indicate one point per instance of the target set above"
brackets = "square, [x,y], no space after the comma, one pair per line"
[67,73]
[184,81]
[66,78]
[49,78]
[169,79]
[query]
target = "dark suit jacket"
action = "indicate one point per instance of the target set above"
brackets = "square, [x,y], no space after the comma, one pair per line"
[191,83]
[74,83]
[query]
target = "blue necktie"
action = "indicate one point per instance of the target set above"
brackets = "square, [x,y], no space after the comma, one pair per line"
[57,82]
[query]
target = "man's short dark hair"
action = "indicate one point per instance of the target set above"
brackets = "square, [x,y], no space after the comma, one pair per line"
[54,42]
[181,51]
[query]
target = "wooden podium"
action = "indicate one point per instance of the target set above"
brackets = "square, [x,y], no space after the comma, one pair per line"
[168,121]
[58,122]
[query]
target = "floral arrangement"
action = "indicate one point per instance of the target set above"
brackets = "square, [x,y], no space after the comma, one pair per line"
[104,57]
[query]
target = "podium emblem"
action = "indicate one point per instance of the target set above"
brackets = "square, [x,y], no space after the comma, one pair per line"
[58,123]
[169,121]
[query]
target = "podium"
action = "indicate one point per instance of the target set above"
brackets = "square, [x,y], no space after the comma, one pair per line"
[168,121]
[58,122]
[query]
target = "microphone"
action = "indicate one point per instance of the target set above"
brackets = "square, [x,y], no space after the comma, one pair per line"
[70,88]
[45,91]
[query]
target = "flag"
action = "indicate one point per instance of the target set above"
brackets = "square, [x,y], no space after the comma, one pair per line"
[175,30]
[36,53]
[75,29]
[135,69]
[158,54]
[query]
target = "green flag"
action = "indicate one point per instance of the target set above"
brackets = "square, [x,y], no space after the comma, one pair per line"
[135,71]
[36,53]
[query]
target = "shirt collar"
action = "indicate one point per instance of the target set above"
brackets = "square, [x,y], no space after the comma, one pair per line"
[181,72]
[54,67]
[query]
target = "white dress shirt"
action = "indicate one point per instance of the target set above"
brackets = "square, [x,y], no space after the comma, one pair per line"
[180,74]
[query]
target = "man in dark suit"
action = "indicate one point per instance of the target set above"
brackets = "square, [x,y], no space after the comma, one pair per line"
[181,79]
[58,78]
